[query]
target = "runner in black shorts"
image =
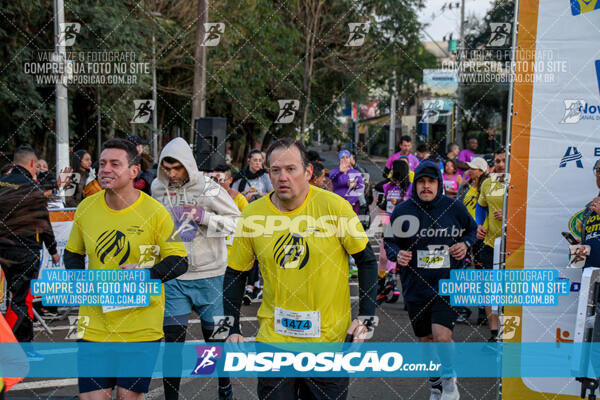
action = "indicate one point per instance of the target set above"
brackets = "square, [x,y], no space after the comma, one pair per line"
[423,315]
[429,234]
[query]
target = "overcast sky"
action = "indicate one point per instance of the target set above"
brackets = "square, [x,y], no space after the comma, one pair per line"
[441,24]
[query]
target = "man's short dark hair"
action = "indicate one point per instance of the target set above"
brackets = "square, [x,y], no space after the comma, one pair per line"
[313,155]
[23,154]
[422,148]
[406,138]
[169,160]
[500,150]
[317,169]
[287,143]
[451,147]
[223,168]
[132,154]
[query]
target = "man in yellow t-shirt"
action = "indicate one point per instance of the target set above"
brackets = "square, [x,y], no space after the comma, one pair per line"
[301,236]
[468,193]
[122,227]
[490,203]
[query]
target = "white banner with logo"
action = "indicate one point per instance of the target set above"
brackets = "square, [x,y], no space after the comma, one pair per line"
[61,221]
[564,144]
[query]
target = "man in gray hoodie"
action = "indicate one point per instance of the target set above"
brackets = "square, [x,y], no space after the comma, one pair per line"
[203,213]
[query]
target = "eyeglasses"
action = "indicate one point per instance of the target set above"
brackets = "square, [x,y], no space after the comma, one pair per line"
[597,171]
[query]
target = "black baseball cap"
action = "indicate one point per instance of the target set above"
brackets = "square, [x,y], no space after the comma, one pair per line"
[135,139]
[489,158]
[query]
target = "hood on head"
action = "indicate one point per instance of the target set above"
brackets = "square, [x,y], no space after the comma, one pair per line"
[431,169]
[181,151]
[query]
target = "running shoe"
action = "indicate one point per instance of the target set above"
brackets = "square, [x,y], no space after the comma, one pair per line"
[226,393]
[481,320]
[257,293]
[449,389]
[247,299]
[463,314]
[436,394]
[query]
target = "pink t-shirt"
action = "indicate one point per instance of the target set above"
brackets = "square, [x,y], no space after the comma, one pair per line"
[450,182]
[413,161]
[393,192]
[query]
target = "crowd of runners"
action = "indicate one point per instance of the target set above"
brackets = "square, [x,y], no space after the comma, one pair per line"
[213,254]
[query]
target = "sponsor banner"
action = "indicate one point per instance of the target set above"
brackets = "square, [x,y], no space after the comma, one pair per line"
[300,359]
[440,83]
[61,221]
[583,6]
[553,150]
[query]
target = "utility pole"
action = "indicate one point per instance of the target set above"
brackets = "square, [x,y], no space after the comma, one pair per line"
[461,50]
[62,105]
[199,88]
[392,133]
[154,111]
[356,131]
[99,141]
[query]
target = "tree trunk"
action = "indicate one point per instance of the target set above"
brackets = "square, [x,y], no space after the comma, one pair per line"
[44,145]
[313,17]
[199,89]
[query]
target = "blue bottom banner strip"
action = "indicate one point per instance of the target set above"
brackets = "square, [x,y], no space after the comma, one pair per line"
[86,359]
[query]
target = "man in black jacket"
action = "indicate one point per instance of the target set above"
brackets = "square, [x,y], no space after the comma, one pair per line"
[429,235]
[24,250]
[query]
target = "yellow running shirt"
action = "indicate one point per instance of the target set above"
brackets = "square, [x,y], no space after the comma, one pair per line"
[491,195]
[241,203]
[470,200]
[303,257]
[112,238]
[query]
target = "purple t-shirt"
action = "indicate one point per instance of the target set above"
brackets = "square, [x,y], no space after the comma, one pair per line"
[340,182]
[464,156]
[395,192]
[413,161]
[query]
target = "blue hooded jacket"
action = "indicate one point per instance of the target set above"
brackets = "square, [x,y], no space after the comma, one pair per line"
[442,221]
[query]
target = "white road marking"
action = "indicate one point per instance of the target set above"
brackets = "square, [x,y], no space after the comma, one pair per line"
[44,384]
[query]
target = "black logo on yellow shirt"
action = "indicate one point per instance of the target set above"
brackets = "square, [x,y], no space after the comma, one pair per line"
[291,251]
[112,243]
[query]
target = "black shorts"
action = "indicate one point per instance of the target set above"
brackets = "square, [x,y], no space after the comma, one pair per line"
[303,388]
[120,361]
[436,311]
[138,385]
[486,257]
